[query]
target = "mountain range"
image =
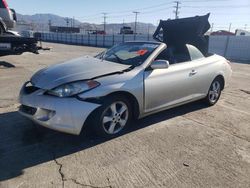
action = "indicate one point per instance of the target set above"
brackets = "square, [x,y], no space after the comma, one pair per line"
[42,21]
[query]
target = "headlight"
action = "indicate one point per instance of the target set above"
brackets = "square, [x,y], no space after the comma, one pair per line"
[73,88]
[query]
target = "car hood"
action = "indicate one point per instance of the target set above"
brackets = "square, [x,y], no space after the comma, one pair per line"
[83,68]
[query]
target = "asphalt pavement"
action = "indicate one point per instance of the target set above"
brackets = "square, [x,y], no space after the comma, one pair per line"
[188,146]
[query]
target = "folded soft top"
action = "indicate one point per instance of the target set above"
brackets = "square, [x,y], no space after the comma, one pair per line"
[183,31]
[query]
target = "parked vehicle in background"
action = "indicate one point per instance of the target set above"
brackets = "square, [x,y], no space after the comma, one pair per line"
[96,32]
[61,29]
[27,34]
[7,17]
[241,32]
[126,30]
[11,42]
[222,33]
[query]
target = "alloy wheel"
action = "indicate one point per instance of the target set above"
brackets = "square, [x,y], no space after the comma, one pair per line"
[115,117]
[214,92]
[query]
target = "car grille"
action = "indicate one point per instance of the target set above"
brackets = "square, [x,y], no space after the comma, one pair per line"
[28,110]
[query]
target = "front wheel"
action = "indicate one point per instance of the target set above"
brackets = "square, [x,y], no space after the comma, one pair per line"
[214,92]
[112,118]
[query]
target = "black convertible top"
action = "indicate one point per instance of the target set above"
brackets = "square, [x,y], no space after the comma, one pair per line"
[183,31]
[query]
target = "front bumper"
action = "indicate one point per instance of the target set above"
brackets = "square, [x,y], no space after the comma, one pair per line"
[62,114]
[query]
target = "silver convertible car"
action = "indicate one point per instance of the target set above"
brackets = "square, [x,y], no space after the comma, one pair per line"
[130,80]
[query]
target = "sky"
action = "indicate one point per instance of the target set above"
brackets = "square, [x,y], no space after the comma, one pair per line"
[223,12]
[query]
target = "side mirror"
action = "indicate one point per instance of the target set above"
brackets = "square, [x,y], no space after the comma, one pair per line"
[160,64]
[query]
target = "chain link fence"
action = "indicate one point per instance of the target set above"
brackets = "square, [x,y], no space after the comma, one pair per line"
[92,39]
[231,47]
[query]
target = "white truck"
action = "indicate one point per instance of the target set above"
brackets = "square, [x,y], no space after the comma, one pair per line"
[11,43]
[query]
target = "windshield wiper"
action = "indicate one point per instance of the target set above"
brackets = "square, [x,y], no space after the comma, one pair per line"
[103,55]
[118,59]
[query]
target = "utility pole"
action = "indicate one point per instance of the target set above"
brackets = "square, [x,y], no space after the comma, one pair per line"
[158,22]
[67,21]
[122,31]
[148,31]
[50,23]
[177,7]
[136,14]
[230,25]
[212,27]
[104,21]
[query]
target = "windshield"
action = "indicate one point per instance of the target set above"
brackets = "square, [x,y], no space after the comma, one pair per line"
[133,54]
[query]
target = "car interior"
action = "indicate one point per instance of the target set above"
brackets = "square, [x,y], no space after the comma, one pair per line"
[175,54]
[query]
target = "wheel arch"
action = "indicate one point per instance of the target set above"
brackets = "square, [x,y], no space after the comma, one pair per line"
[222,79]
[130,97]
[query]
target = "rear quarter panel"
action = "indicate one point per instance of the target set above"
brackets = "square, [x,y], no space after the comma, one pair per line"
[208,69]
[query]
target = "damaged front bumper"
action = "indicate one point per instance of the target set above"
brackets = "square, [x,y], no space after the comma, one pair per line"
[62,114]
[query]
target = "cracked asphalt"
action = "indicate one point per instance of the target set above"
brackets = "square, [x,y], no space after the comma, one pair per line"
[189,146]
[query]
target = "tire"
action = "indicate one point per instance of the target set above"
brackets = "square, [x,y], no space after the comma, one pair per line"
[112,118]
[1,31]
[3,27]
[214,92]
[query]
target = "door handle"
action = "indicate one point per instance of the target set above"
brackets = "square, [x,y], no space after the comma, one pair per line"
[193,72]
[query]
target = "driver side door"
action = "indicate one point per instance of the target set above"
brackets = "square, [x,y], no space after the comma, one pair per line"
[164,88]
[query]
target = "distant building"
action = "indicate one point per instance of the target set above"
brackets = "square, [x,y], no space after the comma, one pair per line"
[222,33]
[126,30]
[59,29]
[240,32]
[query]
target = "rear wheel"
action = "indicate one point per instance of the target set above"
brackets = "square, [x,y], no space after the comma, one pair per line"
[112,118]
[214,92]
[1,31]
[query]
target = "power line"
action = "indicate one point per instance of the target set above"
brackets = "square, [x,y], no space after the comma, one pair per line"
[219,6]
[153,9]
[128,11]
[156,10]
[143,8]
[146,12]
[201,1]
